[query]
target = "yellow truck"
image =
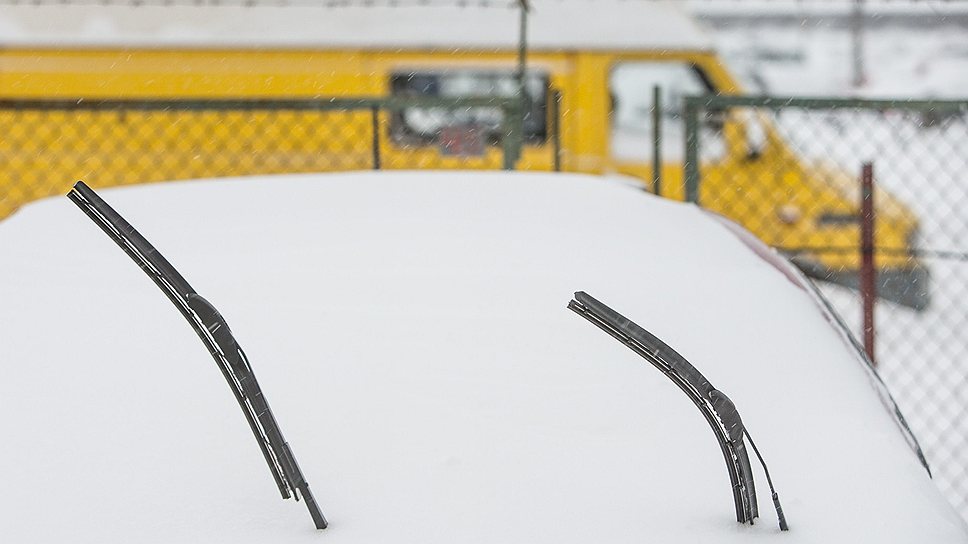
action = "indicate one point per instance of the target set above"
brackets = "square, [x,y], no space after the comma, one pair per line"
[603,57]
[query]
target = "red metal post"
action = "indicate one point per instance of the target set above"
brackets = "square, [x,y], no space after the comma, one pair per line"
[867,269]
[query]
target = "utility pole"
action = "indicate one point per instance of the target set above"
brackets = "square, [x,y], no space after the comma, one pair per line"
[518,122]
[858,78]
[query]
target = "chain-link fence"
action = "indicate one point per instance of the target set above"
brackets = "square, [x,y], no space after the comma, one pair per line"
[46,145]
[789,170]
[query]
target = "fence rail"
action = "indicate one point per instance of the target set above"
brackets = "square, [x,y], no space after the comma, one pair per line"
[46,145]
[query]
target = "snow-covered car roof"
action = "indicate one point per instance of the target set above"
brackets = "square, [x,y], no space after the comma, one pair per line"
[410,330]
[553,25]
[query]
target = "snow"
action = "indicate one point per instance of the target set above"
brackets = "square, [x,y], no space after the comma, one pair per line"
[921,354]
[816,60]
[411,334]
[826,8]
[553,25]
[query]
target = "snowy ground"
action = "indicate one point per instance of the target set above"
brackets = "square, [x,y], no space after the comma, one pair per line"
[410,330]
[815,59]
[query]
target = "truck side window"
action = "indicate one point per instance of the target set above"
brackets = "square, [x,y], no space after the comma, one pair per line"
[423,125]
[631,87]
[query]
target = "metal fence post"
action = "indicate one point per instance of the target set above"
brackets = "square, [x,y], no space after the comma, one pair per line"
[513,134]
[522,73]
[691,166]
[657,140]
[556,128]
[867,266]
[507,163]
[375,113]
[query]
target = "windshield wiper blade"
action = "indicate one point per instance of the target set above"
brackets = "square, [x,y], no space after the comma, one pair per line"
[217,337]
[715,406]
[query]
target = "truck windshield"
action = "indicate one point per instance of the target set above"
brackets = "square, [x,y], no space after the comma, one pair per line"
[421,125]
[631,88]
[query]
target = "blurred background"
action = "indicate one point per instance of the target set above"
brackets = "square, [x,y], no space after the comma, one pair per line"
[766,112]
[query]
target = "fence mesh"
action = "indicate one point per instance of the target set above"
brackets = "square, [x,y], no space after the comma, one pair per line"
[789,170]
[47,145]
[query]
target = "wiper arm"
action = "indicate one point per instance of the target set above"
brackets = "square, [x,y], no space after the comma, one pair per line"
[217,337]
[715,406]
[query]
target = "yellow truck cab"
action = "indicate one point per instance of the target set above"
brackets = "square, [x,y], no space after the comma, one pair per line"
[603,57]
